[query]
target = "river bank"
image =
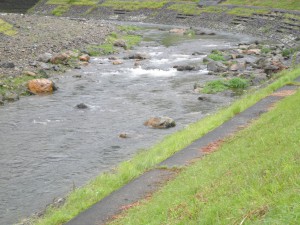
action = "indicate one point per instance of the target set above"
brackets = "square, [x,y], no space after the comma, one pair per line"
[27,39]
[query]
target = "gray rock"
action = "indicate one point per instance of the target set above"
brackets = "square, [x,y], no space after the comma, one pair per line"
[203,98]
[44,66]
[56,68]
[1,100]
[7,65]
[10,97]
[207,59]
[140,56]
[45,58]
[120,43]
[227,57]
[160,122]
[216,67]
[198,53]
[81,106]
[185,68]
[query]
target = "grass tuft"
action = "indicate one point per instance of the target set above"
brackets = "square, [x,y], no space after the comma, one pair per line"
[215,86]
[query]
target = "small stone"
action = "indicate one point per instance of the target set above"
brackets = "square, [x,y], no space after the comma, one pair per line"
[123,135]
[29,73]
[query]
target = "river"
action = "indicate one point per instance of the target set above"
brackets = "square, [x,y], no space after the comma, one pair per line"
[48,145]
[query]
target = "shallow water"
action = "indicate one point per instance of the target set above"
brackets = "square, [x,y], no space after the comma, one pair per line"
[48,145]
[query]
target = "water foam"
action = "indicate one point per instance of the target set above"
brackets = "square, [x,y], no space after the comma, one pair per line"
[139,71]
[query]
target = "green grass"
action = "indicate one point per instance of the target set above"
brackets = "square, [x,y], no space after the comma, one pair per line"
[215,86]
[105,183]
[7,29]
[281,4]
[73,2]
[133,5]
[246,12]
[108,47]
[189,9]
[193,9]
[59,10]
[252,179]
[216,55]
[15,84]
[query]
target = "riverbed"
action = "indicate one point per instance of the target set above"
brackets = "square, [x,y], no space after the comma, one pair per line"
[48,146]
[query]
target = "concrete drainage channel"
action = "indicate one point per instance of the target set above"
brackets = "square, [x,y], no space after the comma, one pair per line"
[152,180]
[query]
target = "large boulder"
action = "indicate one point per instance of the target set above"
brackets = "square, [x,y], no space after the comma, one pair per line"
[215,66]
[41,86]
[160,122]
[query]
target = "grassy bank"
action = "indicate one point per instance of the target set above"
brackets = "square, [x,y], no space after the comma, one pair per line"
[253,178]
[279,4]
[104,184]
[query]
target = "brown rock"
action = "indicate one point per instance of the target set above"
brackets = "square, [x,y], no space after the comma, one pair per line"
[41,86]
[60,59]
[123,135]
[160,122]
[85,58]
[117,62]
[178,31]
[29,73]
[252,51]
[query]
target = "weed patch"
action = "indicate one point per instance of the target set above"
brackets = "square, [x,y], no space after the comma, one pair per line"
[215,86]
[7,29]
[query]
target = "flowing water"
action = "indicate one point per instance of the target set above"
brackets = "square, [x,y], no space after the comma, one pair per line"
[47,145]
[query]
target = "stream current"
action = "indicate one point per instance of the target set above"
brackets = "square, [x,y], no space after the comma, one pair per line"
[47,145]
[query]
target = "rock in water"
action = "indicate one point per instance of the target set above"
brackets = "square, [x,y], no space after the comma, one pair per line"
[139,55]
[85,58]
[81,106]
[160,122]
[41,86]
